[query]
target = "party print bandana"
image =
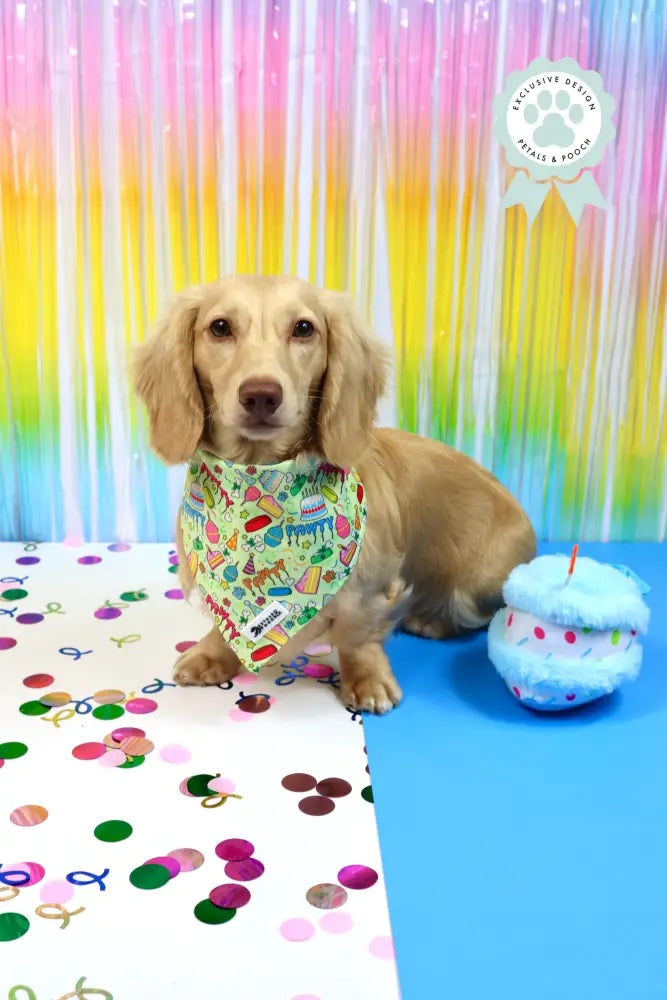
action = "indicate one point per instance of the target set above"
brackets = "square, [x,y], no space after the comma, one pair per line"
[269,546]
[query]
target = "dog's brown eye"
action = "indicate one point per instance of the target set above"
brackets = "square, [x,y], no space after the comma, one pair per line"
[220,328]
[303,329]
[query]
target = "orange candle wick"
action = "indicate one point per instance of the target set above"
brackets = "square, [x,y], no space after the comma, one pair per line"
[573,560]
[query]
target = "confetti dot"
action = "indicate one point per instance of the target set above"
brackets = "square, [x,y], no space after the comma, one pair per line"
[173,569]
[174,595]
[28,815]
[316,805]
[107,614]
[183,788]
[56,699]
[335,788]
[30,618]
[318,670]
[108,712]
[149,876]
[32,869]
[124,733]
[510,620]
[38,680]
[181,647]
[198,784]
[539,632]
[174,753]
[299,782]
[89,560]
[326,896]
[109,696]
[133,595]
[305,996]
[236,715]
[244,871]
[297,929]
[58,891]
[119,547]
[234,850]
[33,708]
[89,751]
[131,762]
[570,637]
[382,947]
[367,794]
[112,830]
[27,560]
[110,742]
[188,858]
[357,877]
[141,706]
[113,758]
[245,679]
[171,864]
[173,560]
[14,594]
[222,785]
[6,642]
[12,751]
[255,704]
[13,926]
[318,649]
[229,896]
[208,913]
[615,637]
[336,923]
[137,746]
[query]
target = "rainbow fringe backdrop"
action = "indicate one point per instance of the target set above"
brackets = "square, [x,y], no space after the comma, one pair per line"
[147,144]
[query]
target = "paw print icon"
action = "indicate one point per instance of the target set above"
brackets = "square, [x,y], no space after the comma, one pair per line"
[551,117]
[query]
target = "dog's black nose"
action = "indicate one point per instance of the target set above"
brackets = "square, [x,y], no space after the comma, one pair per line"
[260,398]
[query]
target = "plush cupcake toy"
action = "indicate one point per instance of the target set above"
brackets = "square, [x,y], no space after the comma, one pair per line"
[570,632]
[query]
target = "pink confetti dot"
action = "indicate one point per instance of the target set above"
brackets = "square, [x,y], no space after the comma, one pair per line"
[57,891]
[318,670]
[107,614]
[539,632]
[236,715]
[125,733]
[113,758]
[297,929]
[235,849]
[181,647]
[222,785]
[244,871]
[382,947]
[73,541]
[31,868]
[173,560]
[140,706]
[172,865]
[510,620]
[119,547]
[336,923]
[174,753]
[6,642]
[245,679]
[318,649]
[570,637]
[89,560]
[174,595]
[89,751]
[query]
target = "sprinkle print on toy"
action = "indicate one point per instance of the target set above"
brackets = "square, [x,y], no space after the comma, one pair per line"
[289,533]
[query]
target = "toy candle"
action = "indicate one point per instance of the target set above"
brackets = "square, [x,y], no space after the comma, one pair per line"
[570,632]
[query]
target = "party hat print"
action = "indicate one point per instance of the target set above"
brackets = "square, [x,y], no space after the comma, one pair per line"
[249,566]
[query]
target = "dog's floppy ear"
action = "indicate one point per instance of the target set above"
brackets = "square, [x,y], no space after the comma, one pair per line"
[165,379]
[353,382]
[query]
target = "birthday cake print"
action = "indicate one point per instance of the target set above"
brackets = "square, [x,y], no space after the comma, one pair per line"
[269,546]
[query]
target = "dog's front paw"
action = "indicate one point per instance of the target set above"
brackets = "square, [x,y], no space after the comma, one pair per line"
[372,694]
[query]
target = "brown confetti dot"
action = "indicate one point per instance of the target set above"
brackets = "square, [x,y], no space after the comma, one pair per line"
[109,696]
[254,703]
[326,896]
[299,782]
[335,788]
[55,699]
[317,805]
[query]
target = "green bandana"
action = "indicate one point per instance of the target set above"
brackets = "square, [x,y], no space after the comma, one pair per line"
[269,545]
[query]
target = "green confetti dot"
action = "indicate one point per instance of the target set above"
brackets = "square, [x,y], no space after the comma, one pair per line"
[33,708]
[13,926]
[133,595]
[367,794]
[208,913]
[108,712]
[10,751]
[615,637]
[113,830]
[149,876]
[173,569]
[198,784]
[135,762]
[14,594]
[587,629]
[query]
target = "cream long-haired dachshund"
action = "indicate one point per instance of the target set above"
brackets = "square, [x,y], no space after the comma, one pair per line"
[259,370]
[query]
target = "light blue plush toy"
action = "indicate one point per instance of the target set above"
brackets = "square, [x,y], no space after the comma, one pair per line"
[570,632]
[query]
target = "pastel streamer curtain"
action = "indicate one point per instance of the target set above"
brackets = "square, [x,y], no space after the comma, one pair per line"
[147,144]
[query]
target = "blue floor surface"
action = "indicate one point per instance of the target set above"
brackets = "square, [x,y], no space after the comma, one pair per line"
[526,854]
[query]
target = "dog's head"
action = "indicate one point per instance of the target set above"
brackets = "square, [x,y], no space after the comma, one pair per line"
[257,369]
